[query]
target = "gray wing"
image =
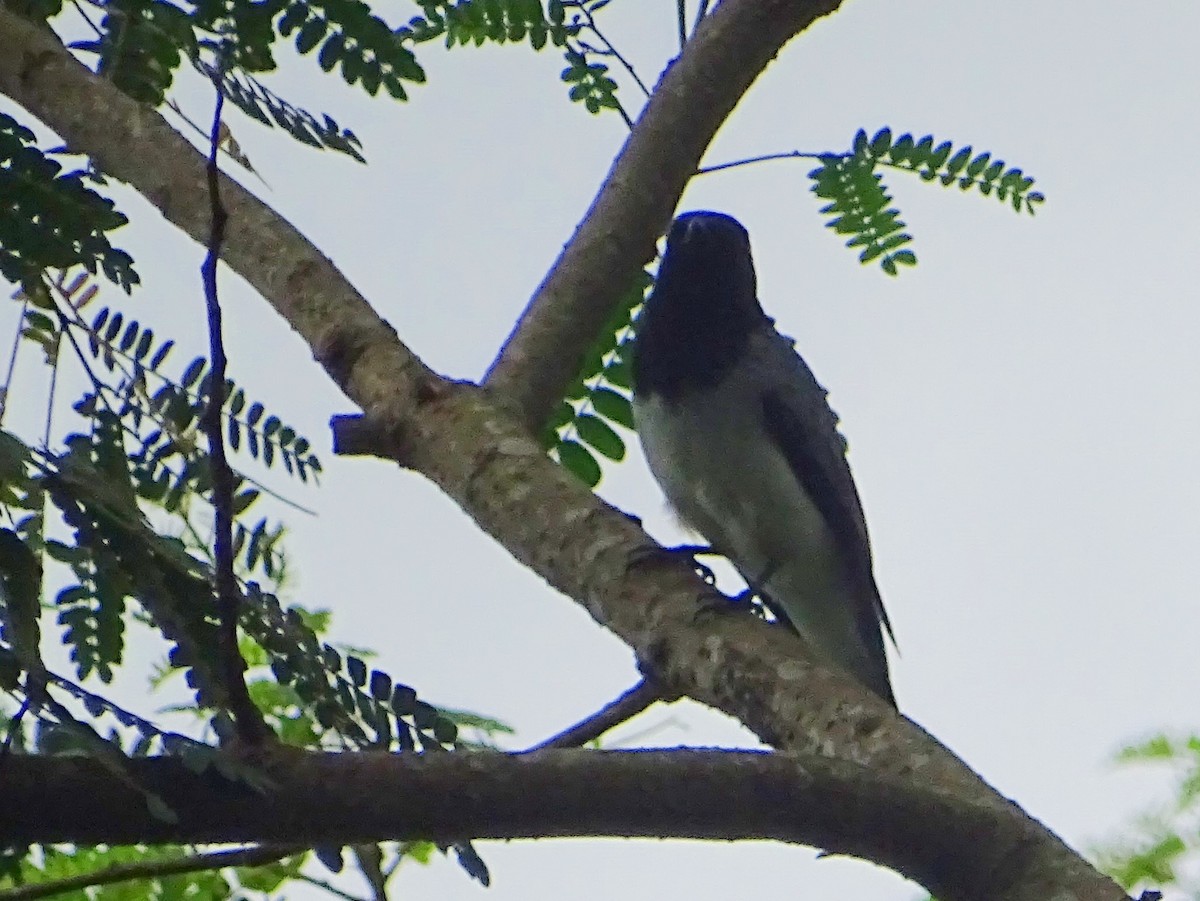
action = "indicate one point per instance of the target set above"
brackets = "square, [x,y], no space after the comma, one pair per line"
[798,418]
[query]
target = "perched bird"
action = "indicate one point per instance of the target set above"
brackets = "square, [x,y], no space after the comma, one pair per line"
[739,436]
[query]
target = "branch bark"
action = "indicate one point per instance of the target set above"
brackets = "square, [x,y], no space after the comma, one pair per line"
[696,94]
[469,442]
[900,821]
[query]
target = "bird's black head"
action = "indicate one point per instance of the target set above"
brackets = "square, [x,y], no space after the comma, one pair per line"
[708,261]
[703,308]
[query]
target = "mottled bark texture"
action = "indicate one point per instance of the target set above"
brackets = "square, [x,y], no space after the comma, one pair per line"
[914,827]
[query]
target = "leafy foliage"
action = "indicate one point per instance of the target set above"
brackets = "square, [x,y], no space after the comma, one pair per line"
[318,696]
[600,397]
[477,22]
[1163,846]
[369,52]
[142,447]
[141,44]
[861,205]
[590,82]
[253,98]
[87,511]
[52,864]
[50,219]
[861,208]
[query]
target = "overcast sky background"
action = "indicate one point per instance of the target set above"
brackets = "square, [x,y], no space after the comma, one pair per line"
[1021,408]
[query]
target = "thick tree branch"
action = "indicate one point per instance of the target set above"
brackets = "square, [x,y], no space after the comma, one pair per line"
[694,97]
[482,456]
[904,823]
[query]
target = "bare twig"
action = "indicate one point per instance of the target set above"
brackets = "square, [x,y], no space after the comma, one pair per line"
[369,857]
[83,14]
[14,726]
[701,12]
[327,886]
[610,50]
[152,869]
[764,158]
[248,721]
[681,21]
[52,392]
[627,706]
[6,388]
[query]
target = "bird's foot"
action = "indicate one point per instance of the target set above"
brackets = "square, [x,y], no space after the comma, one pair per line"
[688,551]
[717,604]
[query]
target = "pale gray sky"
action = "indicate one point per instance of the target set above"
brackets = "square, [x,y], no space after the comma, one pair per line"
[1020,407]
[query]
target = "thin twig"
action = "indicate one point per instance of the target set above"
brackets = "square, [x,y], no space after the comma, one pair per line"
[87,18]
[327,886]
[258,856]
[14,726]
[701,12]
[247,719]
[765,158]
[369,858]
[607,717]
[6,388]
[681,16]
[126,716]
[610,50]
[52,392]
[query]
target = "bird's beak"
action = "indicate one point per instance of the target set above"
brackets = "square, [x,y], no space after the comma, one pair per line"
[687,231]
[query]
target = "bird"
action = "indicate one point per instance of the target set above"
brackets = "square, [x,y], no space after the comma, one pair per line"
[740,437]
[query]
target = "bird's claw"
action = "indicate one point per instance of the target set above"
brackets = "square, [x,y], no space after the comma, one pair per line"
[690,552]
[718,604]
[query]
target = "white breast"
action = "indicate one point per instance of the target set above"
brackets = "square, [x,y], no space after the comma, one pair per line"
[725,478]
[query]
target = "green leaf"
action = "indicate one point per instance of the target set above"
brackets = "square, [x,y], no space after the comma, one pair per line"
[310,34]
[957,161]
[445,731]
[881,143]
[613,406]
[331,51]
[242,502]
[938,156]
[191,375]
[404,700]
[381,685]
[977,165]
[598,434]
[579,461]
[21,578]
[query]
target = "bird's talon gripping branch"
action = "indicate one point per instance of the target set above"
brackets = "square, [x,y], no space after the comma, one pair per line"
[744,599]
[690,552]
[718,604]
